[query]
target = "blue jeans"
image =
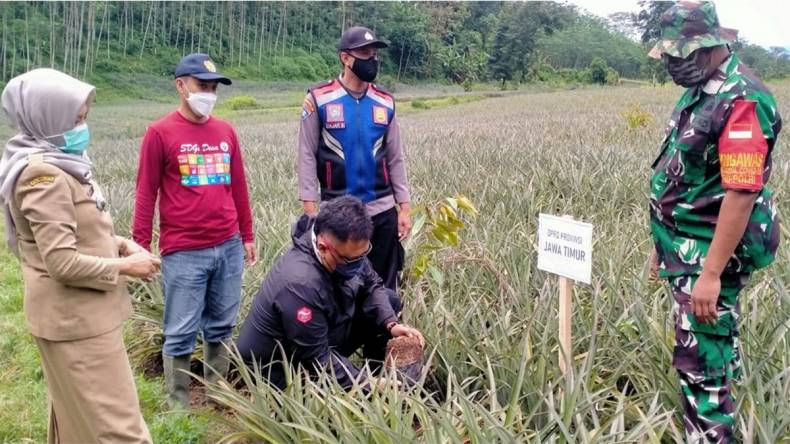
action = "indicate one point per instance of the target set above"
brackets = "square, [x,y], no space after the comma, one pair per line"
[202,293]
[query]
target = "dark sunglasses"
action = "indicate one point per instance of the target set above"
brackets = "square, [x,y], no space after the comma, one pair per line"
[347,260]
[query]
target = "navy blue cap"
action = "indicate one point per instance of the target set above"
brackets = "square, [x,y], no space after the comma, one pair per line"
[200,66]
[359,37]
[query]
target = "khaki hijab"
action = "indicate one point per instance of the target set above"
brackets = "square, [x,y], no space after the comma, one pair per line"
[42,104]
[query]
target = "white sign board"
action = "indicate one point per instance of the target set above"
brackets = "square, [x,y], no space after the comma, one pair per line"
[565,247]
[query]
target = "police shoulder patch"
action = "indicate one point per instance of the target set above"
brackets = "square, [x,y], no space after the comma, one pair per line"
[308,107]
[40,179]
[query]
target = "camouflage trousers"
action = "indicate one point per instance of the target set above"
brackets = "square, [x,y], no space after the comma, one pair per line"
[707,358]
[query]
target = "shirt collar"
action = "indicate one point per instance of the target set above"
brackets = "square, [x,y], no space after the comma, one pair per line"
[719,76]
[355,94]
[314,242]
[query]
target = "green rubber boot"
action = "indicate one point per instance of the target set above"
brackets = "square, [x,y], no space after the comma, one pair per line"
[216,360]
[177,380]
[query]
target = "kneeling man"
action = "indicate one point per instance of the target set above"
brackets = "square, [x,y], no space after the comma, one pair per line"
[322,300]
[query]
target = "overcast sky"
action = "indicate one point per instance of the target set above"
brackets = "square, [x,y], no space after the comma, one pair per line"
[758,21]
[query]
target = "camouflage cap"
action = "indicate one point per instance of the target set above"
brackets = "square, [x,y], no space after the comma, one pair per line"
[688,26]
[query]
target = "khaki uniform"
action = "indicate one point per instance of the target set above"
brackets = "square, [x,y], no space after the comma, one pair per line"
[75,305]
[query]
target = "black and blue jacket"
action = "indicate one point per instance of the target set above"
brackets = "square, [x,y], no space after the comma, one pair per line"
[352,157]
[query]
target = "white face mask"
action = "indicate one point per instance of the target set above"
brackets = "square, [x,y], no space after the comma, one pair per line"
[202,103]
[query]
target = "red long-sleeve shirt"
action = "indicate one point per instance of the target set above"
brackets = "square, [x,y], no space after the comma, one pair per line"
[197,171]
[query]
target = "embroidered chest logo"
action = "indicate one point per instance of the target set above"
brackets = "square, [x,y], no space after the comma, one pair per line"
[304,315]
[335,117]
[379,115]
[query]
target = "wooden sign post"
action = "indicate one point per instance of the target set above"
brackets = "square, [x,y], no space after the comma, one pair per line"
[565,249]
[566,330]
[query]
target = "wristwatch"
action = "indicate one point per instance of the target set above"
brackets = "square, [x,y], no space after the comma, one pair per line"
[390,326]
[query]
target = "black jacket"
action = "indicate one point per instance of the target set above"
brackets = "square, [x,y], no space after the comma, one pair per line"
[309,311]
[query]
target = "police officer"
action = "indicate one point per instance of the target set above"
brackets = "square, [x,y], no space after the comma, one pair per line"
[712,218]
[322,301]
[350,143]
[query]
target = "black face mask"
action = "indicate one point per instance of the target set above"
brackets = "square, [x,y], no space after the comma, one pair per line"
[687,72]
[365,69]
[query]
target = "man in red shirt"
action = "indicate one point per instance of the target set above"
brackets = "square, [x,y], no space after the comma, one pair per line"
[193,163]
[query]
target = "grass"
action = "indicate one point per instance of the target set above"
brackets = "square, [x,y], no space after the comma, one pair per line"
[491,322]
[23,392]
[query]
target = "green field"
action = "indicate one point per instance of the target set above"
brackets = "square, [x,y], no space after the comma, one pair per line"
[491,321]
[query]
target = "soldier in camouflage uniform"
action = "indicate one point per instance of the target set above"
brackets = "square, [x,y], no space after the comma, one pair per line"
[712,219]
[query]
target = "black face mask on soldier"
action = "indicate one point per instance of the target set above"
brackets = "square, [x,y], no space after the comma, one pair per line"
[365,69]
[687,72]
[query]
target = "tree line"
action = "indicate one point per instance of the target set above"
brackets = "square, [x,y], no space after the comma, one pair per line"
[449,41]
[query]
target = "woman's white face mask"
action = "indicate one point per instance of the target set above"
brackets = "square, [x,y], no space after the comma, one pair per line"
[202,103]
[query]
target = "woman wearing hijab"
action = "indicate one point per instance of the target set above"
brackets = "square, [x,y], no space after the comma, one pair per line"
[74,266]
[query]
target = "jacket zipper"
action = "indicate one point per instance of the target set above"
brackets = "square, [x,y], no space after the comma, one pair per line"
[360,154]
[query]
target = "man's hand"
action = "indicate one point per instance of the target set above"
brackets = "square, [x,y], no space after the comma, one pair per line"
[704,296]
[736,207]
[310,208]
[381,383]
[404,221]
[653,274]
[250,253]
[405,330]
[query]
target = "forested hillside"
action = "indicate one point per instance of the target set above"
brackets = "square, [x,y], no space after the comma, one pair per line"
[439,41]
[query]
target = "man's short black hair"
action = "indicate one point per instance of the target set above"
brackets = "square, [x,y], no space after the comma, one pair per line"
[345,218]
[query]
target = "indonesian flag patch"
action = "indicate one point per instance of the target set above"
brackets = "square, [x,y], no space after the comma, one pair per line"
[742,149]
[304,315]
[740,131]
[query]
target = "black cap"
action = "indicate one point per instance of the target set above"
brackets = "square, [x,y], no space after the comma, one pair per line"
[359,37]
[200,66]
